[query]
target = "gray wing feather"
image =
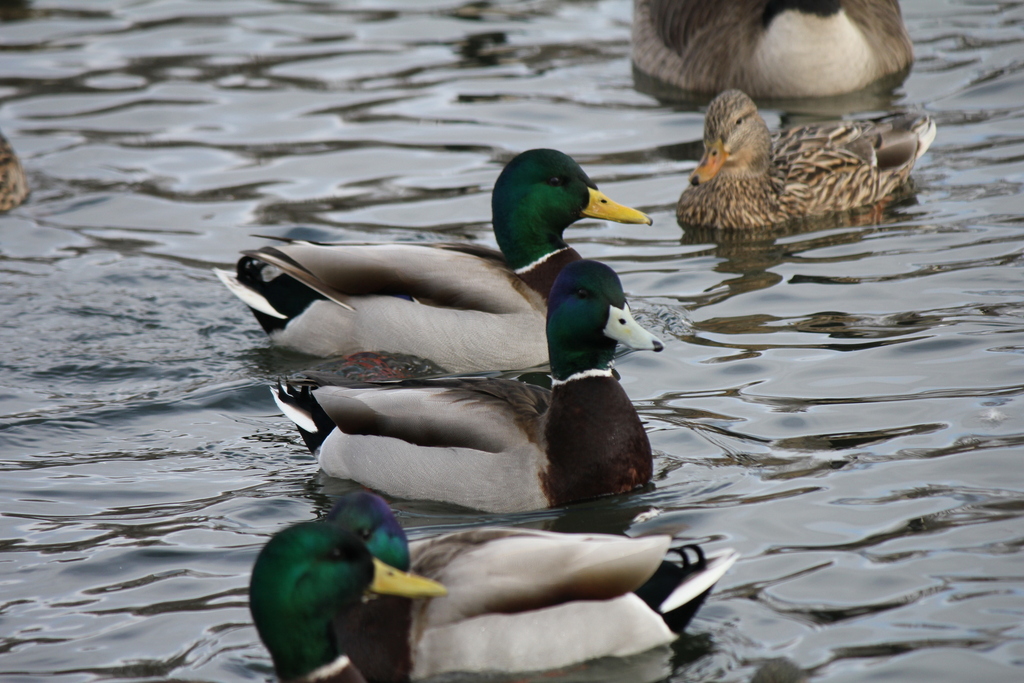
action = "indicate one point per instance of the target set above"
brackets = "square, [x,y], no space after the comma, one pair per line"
[469,311]
[520,595]
[515,570]
[438,276]
[467,445]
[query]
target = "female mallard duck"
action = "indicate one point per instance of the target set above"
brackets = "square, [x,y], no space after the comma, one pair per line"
[770,48]
[748,179]
[518,599]
[496,444]
[464,307]
[13,185]
[302,578]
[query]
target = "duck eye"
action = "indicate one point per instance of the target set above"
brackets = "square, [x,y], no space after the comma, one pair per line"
[622,321]
[556,181]
[582,293]
[739,121]
[364,534]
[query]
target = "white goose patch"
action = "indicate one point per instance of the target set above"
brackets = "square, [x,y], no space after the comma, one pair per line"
[804,55]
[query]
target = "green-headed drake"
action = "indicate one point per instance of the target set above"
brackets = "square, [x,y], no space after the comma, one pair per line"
[465,307]
[303,577]
[496,444]
[518,599]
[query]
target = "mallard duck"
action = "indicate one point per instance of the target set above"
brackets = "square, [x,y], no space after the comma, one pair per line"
[303,577]
[770,48]
[518,599]
[13,184]
[748,179]
[495,444]
[467,308]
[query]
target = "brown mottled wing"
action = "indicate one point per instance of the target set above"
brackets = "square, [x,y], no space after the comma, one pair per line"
[13,185]
[844,165]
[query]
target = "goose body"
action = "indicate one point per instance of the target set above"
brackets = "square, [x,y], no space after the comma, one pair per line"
[749,179]
[770,48]
[518,599]
[464,307]
[494,444]
[13,184]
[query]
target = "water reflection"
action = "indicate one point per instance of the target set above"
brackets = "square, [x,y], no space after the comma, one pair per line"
[840,401]
[882,96]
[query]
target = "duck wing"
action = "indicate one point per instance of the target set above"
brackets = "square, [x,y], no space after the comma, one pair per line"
[519,596]
[457,276]
[504,571]
[475,442]
[456,305]
[458,412]
[849,163]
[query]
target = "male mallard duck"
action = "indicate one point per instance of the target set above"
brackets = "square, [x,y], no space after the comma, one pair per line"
[13,185]
[748,179]
[518,599]
[302,578]
[465,307]
[496,444]
[770,48]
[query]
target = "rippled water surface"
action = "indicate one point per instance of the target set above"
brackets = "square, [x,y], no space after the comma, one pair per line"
[841,404]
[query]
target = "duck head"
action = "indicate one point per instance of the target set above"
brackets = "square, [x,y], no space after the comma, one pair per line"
[736,139]
[370,518]
[538,195]
[587,316]
[303,576]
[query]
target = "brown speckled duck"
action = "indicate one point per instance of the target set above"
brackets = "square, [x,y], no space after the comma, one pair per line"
[13,185]
[770,48]
[749,179]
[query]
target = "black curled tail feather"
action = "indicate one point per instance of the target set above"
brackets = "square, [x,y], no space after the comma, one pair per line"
[670,576]
[287,295]
[298,399]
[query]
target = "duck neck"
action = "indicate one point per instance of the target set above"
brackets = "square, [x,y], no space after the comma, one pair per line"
[305,651]
[569,362]
[596,444]
[525,234]
[541,274]
[375,634]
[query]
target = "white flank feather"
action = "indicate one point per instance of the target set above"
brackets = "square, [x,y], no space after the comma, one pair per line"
[300,417]
[249,297]
[718,565]
[926,138]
